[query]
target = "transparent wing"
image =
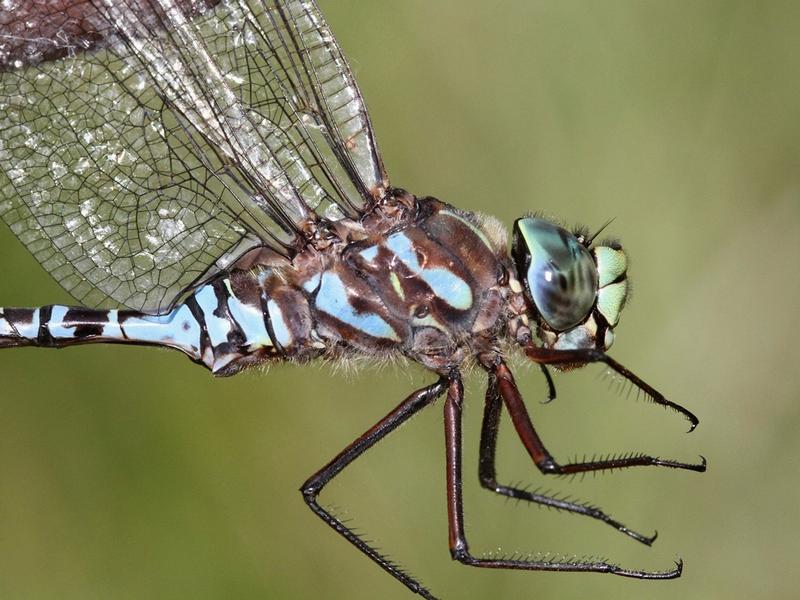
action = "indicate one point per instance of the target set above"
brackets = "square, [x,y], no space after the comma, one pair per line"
[146,144]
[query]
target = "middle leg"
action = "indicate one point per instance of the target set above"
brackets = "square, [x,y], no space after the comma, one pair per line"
[459,549]
[488,475]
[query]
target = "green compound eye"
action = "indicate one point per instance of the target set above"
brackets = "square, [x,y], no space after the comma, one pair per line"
[560,274]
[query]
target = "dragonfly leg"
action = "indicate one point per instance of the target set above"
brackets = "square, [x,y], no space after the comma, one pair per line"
[550,356]
[459,549]
[551,387]
[488,476]
[540,455]
[314,485]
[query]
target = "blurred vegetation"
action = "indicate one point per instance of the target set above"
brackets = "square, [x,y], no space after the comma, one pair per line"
[131,473]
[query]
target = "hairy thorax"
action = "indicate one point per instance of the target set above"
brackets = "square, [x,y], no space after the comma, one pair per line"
[434,288]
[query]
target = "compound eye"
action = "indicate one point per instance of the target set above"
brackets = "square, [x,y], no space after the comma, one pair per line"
[561,274]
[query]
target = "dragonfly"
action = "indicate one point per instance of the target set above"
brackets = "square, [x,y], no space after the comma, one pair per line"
[203,175]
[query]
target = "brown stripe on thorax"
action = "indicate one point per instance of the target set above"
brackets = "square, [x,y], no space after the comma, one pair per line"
[465,237]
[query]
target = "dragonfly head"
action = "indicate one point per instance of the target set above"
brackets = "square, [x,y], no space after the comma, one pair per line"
[575,291]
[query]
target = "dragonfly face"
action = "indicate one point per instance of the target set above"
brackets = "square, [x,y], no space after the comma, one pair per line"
[575,291]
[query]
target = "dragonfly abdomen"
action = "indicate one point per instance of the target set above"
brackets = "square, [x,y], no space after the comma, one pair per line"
[224,330]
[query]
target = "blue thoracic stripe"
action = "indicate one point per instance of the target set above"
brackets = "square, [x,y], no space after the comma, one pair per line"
[280,328]
[443,282]
[401,245]
[313,283]
[369,254]
[448,287]
[332,299]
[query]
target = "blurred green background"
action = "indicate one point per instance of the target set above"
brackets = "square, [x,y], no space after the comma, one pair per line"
[131,473]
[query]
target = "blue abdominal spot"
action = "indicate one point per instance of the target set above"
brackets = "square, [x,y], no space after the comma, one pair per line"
[217,327]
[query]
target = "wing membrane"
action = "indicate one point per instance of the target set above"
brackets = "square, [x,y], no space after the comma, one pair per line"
[149,144]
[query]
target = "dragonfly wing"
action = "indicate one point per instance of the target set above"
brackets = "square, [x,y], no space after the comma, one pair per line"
[146,144]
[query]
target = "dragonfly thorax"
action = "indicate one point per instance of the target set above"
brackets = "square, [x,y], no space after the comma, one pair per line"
[426,289]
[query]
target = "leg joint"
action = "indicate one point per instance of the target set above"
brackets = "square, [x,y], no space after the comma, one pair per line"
[310,491]
[548,466]
[461,554]
[489,482]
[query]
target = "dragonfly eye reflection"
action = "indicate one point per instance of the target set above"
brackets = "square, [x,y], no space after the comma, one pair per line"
[577,293]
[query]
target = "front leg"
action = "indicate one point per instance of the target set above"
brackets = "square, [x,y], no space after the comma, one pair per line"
[582,356]
[540,455]
[459,548]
